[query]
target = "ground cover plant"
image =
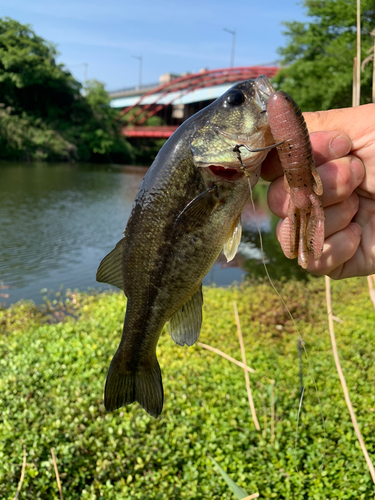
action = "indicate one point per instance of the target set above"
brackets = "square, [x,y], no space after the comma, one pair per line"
[51,385]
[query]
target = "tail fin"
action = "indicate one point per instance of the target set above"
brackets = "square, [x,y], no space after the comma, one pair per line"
[144,385]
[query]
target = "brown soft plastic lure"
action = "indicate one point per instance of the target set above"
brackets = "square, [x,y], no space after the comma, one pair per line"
[301,179]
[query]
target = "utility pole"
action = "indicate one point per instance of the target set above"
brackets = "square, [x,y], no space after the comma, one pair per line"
[140,59]
[84,83]
[233,33]
[85,77]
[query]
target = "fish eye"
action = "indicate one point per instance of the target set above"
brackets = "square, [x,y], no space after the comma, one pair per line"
[235,97]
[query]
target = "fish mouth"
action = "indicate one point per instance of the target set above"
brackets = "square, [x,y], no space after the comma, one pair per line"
[263,90]
[232,167]
[250,162]
[226,172]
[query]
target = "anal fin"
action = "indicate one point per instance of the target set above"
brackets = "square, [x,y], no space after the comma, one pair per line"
[185,324]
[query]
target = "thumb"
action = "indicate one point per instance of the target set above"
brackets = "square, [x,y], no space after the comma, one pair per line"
[352,121]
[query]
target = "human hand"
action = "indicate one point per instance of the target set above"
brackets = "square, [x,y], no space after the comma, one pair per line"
[343,142]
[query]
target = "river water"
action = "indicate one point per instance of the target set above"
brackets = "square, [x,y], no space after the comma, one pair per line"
[57,222]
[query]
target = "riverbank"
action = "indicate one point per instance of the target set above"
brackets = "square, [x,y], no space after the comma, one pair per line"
[53,374]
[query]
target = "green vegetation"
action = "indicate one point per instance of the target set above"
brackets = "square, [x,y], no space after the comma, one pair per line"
[45,115]
[319,54]
[51,387]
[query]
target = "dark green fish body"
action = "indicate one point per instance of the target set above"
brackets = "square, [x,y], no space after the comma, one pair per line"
[187,209]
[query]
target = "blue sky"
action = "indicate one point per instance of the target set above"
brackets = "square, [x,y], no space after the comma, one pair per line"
[171,36]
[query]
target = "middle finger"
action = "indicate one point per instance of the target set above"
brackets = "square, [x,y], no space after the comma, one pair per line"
[326,146]
[339,178]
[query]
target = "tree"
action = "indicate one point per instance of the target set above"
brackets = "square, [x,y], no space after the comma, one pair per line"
[30,79]
[102,133]
[318,58]
[45,114]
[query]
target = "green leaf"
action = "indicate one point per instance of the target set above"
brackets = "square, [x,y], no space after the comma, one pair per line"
[237,490]
[317,60]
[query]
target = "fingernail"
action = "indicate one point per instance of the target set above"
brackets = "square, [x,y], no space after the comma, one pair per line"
[340,146]
[358,169]
[356,228]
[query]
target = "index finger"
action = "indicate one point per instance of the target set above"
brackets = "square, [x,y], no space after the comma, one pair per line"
[326,145]
[351,121]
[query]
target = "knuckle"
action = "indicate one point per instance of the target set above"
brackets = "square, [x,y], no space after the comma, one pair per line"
[335,274]
[345,172]
[353,202]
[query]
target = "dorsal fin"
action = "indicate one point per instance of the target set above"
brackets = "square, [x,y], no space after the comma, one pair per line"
[233,240]
[185,324]
[110,268]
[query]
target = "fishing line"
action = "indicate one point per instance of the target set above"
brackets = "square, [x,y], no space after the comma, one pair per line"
[236,149]
[301,386]
[296,437]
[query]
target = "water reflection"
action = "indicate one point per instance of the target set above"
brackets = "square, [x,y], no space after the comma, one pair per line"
[58,221]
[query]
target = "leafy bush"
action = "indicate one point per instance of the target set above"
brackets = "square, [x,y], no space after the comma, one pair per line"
[25,138]
[47,115]
[52,379]
[318,57]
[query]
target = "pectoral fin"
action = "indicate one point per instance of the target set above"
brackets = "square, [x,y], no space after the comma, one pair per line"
[185,324]
[233,240]
[110,268]
[197,212]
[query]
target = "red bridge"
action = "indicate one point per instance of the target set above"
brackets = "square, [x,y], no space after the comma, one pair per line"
[177,99]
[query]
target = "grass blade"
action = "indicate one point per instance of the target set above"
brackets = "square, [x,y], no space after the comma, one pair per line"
[237,490]
[247,380]
[22,474]
[226,356]
[57,474]
[343,381]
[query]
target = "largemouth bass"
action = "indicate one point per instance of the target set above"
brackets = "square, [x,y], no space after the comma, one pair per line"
[186,212]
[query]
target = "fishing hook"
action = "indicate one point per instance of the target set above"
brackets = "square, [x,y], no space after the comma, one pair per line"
[235,149]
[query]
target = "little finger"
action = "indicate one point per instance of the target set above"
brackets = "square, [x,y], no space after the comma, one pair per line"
[339,216]
[338,249]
